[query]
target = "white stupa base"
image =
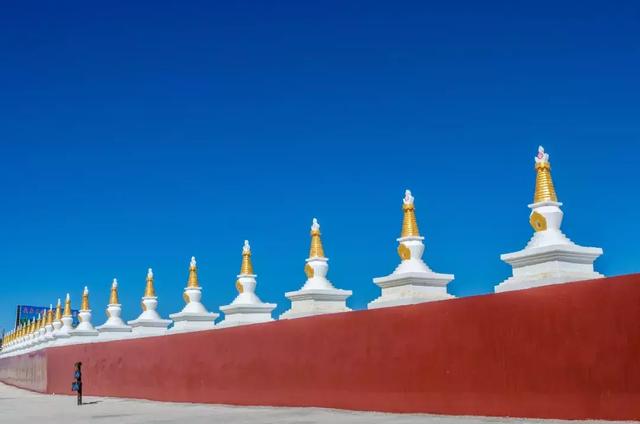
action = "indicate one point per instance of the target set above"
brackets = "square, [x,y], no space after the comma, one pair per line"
[243,314]
[555,264]
[411,288]
[307,302]
[83,332]
[192,321]
[113,329]
[149,326]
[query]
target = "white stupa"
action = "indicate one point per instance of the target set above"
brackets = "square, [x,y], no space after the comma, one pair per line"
[317,295]
[412,281]
[84,328]
[48,335]
[64,322]
[57,323]
[194,316]
[114,326]
[549,257]
[149,321]
[246,308]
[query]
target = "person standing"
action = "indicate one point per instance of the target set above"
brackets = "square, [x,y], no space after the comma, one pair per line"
[77,382]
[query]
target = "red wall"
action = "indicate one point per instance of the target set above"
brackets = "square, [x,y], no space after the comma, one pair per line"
[566,351]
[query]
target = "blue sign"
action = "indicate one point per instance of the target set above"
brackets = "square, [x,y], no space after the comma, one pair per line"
[26,313]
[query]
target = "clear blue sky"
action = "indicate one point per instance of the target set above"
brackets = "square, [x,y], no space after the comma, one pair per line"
[143,133]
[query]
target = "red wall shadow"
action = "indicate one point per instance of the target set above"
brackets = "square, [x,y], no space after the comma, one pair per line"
[566,351]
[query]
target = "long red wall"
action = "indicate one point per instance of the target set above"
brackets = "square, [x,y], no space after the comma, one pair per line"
[566,351]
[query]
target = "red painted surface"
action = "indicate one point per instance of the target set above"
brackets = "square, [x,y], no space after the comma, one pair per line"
[565,351]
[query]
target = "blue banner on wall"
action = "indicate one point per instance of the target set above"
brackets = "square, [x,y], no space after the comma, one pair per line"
[25,313]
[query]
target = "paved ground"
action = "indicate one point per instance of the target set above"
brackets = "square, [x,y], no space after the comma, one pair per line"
[21,406]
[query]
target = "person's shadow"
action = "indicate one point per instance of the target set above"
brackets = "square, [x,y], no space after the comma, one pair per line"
[93,402]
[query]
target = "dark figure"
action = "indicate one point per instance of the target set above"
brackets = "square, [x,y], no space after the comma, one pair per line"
[77,381]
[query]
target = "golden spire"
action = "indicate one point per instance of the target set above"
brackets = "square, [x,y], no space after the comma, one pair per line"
[50,315]
[247,267]
[149,290]
[67,306]
[32,325]
[409,223]
[42,320]
[316,250]
[85,299]
[113,299]
[58,311]
[193,273]
[545,192]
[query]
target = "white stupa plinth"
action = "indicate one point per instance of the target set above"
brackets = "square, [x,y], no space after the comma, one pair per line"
[84,328]
[246,308]
[412,281]
[194,316]
[317,295]
[114,326]
[149,321]
[549,257]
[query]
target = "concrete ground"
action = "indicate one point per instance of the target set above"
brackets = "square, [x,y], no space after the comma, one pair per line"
[21,406]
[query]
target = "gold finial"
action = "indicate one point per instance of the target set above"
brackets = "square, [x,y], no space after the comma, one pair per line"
[32,325]
[316,250]
[67,306]
[149,290]
[50,315]
[409,223]
[113,299]
[58,311]
[85,299]
[545,192]
[247,267]
[193,273]
[41,320]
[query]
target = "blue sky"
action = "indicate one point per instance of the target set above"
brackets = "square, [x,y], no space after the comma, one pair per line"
[140,134]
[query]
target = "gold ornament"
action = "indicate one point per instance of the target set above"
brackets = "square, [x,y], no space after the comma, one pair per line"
[144,307]
[538,221]
[185,297]
[308,269]
[404,252]
[239,286]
